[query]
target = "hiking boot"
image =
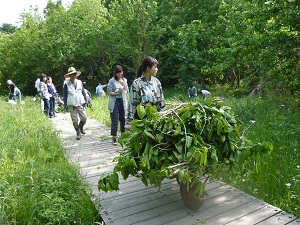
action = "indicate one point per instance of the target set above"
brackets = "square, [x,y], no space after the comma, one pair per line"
[81,124]
[78,137]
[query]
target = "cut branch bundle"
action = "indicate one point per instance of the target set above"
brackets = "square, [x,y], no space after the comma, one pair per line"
[189,141]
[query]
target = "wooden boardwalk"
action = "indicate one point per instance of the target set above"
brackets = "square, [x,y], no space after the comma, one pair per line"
[136,204]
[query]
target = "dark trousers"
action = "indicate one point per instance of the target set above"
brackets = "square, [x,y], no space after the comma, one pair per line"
[52,106]
[117,115]
[46,106]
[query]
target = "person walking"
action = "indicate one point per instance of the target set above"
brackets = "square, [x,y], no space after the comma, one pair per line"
[74,100]
[145,89]
[53,94]
[14,92]
[45,94]
[115,89]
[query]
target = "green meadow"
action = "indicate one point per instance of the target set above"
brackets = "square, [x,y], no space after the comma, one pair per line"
[38,185]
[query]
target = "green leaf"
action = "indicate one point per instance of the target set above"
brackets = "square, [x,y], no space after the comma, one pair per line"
[186,115]
[221,138]
[144,179]
[141,111]
[179,147]
[148,134]
[189,141]
[114,181]
[219,127]
[203,158]
[160,137]
[108,187]
[190,154]
[152,177]
[200,189]
[103,176]
[183,176]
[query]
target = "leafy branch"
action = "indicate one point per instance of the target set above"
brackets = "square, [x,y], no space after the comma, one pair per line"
[189,141]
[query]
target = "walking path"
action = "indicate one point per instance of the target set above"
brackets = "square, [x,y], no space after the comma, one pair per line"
[135,203]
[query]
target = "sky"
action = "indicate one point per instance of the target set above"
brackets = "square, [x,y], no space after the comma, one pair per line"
[10,10]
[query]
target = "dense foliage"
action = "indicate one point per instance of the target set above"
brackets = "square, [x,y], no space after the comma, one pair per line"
[226,42]
[38,185]
[190,141]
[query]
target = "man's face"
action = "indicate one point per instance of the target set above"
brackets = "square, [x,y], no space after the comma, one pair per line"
[72,77]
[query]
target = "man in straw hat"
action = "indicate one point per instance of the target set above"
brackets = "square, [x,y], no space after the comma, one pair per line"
[74,100]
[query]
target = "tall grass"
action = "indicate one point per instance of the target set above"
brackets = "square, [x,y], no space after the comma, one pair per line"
[100,110]
[274,178]
[38,185]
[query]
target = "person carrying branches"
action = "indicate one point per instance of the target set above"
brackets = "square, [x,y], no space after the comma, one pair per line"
[145,89]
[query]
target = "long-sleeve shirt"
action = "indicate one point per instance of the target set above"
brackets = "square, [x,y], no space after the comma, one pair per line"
[145,92]
[44,90]
[114,86]
[52,90]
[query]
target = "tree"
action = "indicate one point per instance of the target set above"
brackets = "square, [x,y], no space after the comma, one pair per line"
[8,28]
[131,34]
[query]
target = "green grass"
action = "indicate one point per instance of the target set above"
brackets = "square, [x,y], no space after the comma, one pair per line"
[38,185]
[100,110]
[273,178]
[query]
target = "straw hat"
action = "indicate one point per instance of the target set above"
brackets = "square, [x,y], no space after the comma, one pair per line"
[72,70]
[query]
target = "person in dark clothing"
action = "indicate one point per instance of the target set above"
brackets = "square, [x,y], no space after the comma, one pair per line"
[192,91]
[14,91]
[53,94]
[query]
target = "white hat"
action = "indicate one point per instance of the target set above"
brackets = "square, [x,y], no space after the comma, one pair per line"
[9,82]
[72,70]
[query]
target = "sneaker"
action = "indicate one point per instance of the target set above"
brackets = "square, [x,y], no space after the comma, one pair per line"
[114,141]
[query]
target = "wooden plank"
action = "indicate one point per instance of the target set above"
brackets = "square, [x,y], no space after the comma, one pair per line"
[236,212]
[279,218]
[182,212]
[256,216]
[224,204]
[294,222]
[170,199]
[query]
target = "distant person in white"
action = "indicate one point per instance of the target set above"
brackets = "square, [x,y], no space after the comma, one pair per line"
[100,91]
[38,91]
